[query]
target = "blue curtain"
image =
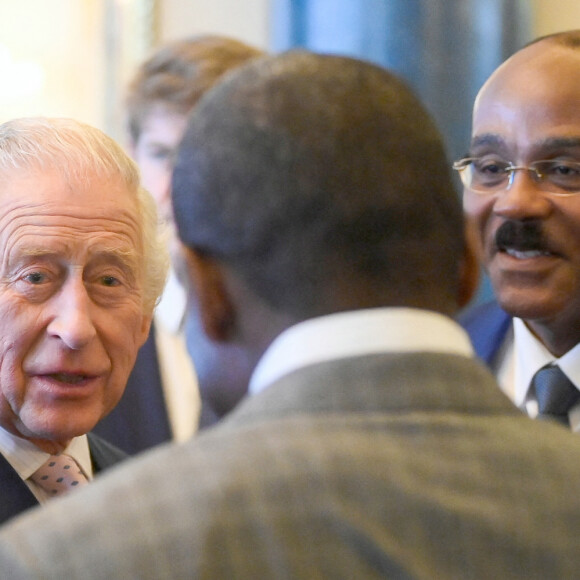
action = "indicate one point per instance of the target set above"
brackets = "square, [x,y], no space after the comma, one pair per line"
[445,49]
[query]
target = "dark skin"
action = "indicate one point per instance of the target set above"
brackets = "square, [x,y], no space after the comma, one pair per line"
[238,326]
[543,122]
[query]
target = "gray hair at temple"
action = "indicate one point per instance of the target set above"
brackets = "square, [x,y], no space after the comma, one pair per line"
[77,151]
[312,175]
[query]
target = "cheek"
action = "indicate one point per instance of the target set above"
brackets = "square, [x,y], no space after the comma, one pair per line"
[122,337]
[476,206]
[479,210]
[122,346]
[20,326]
[12,379]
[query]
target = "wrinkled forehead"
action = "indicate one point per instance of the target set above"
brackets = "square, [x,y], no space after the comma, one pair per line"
[49,195]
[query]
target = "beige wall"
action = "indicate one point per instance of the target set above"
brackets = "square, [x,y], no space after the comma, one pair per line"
[555,15]
[247,20]
[50,59]
[69,42]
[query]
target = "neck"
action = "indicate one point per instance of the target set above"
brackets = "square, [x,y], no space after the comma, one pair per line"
[557,341]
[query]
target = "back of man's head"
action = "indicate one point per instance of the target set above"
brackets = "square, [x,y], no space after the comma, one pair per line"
[324,183]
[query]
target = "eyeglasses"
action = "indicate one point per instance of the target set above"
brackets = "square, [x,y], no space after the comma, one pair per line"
[486,175]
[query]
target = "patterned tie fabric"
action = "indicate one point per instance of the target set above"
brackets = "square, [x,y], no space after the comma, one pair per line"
[555,393]
[59,474]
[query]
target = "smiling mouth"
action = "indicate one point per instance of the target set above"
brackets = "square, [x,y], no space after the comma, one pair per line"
[523,240]
[525,254]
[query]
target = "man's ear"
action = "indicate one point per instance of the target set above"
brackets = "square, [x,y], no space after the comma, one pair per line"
[210,295]
[470,265]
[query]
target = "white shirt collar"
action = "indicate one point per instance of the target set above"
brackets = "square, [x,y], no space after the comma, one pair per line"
[26,458]
[358,333]
[522,357]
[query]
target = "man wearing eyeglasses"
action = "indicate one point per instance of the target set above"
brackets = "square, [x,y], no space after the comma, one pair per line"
[521,182]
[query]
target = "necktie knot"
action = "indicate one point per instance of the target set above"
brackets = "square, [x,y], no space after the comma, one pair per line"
[59,474]
[555,393]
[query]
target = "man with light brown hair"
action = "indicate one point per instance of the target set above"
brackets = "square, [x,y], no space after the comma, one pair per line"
[161,401]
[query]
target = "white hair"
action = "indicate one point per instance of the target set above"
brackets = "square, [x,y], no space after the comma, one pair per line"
[80,151]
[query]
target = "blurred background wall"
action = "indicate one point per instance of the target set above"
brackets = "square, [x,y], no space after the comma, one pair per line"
[74,57]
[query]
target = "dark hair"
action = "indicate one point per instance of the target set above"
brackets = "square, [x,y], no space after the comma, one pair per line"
[179,73]
[307,171]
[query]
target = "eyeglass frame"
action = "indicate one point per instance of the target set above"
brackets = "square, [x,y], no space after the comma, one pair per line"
[463,164]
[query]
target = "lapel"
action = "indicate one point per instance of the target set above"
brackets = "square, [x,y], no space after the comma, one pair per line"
[103,454]
[16,497]
[383,383]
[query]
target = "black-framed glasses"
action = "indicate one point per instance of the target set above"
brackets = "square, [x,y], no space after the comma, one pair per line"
[486,175]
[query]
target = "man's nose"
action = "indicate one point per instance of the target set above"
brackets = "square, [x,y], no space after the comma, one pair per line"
[72,320]
[523,198]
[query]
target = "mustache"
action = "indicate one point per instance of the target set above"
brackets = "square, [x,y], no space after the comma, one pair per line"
[521,235]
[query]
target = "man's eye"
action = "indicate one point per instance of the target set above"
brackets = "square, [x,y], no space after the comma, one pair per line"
[490,167]
[564,169]
[110,281]
[35,278]
[162,154]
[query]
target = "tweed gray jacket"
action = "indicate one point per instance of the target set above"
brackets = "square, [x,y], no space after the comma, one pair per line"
[382,466]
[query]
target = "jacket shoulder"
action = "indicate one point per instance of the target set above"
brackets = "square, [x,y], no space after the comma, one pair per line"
[487,325]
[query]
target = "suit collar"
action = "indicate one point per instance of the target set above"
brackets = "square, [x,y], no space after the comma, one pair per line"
[357,333]
[385,383]
[16,496]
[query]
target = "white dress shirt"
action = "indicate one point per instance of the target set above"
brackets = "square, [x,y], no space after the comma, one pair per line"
[518,359]
[26,458]
[358,333]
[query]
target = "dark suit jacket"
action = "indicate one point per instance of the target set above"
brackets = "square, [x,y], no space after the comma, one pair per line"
[487,326]
[140,419]
[384,466]
[15,496]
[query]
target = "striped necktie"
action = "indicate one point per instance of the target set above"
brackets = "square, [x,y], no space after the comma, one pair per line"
[555,394]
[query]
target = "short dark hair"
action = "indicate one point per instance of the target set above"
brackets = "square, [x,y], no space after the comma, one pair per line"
[179,73]
[303,170]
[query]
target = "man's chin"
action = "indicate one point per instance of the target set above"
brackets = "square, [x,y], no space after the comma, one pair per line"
[529,304]
[58,430]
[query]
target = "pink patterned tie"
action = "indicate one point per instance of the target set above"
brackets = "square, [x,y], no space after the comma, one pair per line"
[58,475]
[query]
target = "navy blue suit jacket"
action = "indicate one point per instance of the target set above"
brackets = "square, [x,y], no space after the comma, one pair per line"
[140,419]
[15,496]
[487,326]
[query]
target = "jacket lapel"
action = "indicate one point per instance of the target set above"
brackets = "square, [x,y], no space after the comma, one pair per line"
[16,497]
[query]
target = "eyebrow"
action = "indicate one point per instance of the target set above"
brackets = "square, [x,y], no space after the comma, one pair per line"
[487,139]
[124,258]
[549,143]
